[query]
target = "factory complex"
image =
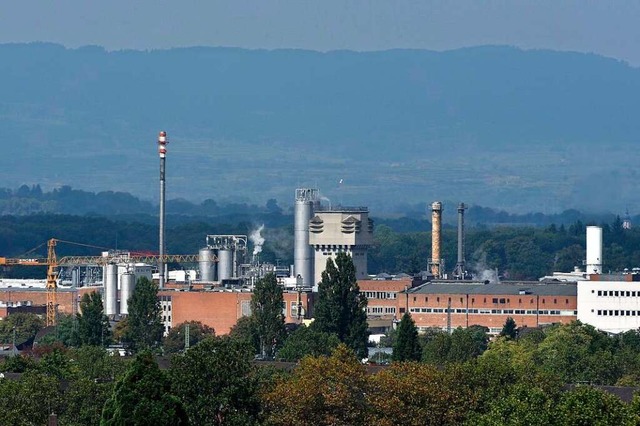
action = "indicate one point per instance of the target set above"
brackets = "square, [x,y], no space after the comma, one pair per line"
[218,290]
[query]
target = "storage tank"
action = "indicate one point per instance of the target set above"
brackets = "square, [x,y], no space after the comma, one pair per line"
[127,286]
[110,274]
[594,250]
[302,251]
[225,264]
[207,265]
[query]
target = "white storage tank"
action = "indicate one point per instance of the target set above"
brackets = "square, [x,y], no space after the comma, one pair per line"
[110,279]
[127,286]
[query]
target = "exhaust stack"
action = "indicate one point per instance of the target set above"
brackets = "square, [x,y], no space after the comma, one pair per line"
[436,263]
[460,272]
[162,151]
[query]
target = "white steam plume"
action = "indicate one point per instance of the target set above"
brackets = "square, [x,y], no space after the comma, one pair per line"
[257,239]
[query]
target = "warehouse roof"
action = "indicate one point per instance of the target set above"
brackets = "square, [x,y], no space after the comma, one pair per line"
[542,288]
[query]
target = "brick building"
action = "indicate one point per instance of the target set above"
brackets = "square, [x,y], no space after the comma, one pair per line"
[382,295]
[529,303]
[221,308]
[11,297]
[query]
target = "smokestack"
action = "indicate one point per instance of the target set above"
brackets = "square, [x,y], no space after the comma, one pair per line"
[302,251]
[460,271]
[436,228]
[162,151]
[594,250]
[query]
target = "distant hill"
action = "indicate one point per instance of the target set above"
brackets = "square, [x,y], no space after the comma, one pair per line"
[520,130]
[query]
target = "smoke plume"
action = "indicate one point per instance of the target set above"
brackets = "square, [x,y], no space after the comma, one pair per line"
[257,239]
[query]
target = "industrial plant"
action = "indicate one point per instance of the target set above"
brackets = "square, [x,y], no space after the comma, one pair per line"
[217,289]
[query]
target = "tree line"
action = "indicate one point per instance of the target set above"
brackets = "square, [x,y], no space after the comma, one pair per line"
[434,378]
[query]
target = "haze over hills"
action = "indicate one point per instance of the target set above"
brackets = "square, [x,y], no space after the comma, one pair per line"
[495,126]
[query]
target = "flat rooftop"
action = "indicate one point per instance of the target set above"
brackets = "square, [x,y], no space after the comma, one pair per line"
[505,287]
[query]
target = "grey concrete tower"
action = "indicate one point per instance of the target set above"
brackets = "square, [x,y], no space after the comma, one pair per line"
[306,200]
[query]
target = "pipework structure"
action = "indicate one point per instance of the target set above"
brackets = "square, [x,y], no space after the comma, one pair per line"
[305,203]
[460,272]
[436,264]
[162,151]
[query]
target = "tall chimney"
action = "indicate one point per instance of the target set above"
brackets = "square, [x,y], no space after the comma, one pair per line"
[460,271]
[306,199]
[436,229]
[162,151]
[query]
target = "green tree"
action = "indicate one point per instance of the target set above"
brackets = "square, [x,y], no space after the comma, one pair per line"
[341,308]
[307,341]
[217,383]
[321,391]
[173,342]
[407,346]
[30,399]
[143,397]
[93,324]
[144,323]
[26,327]
[266,313]
[585,405]
[509,330]
[245,330]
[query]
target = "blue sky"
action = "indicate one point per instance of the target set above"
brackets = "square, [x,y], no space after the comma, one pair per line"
[608,28]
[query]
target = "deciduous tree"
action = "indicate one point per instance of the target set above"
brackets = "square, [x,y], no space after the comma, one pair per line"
[306,341]
[217,383]
[143,397]
[174,340]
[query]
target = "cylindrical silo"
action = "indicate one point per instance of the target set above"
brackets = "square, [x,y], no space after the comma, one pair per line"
[207,265]
[594,250]
[302,252]
[127,286]
[110,274]
[225,264]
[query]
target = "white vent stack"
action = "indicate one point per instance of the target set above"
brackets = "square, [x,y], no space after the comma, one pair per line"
[306,198]
[594,250]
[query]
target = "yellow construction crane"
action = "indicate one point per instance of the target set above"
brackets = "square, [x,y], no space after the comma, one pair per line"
[52,263]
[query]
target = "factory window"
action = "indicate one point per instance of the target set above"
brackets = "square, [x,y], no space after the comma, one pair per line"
[542,300]
[628,294]
[449,300]
[485,300]
[507,311]
[426,299]
[519,300]
[566,301]
[531,300]
[508,301]
[414,310]
[519,311]
[599,294]
[414,298]
[401,310]
[599,312]
[633,313]
[437,299]
[495,300]
[604,313]
[555,301]
[502,301]
[473,300]
[461,300]
[628,313]
[496,311]
[168,307]
[615,313]
[633,294]
[616,293]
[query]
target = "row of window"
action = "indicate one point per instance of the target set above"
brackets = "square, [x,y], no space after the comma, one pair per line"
[618,313]
[380,294]
[245,308]
[492,311]
[381,310]
[496,300]
[617,293]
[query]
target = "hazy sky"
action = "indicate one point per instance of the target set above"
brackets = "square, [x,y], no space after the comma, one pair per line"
[610,28]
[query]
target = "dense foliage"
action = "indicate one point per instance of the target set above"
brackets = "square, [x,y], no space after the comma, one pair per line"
[341,308]
[144,324]
[266,314]
[461,380]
